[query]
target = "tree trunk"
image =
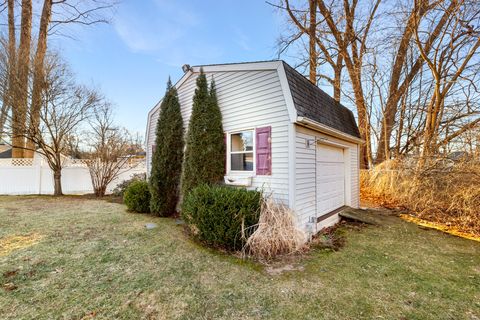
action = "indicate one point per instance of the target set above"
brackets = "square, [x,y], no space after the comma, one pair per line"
[383,148]
[430,125]
[337,80]
[400,127]
[362,114]
[8,94]
[364,126]
[19,112]
[312,29]
[38,75]
[57,179]
[100,191]
[394,92]
[3,117]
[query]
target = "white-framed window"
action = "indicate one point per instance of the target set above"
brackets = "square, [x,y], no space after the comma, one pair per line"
[241,151]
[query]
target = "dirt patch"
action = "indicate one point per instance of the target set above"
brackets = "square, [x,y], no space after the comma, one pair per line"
[331,238]
[9,286]
[9,274]
[276,270]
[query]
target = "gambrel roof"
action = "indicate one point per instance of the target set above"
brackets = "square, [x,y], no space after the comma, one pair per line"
[313,103]
[307,104]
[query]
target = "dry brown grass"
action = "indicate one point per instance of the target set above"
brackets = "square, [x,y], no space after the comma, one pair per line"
[276,233]
[449,195]
[12,243]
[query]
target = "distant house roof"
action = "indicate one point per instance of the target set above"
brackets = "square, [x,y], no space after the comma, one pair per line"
[7,154]
[312,102]
[458,155]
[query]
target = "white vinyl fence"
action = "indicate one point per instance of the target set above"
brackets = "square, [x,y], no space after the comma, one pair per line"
[33,176]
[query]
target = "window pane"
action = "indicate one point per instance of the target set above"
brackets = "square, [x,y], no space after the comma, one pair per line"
[242,162]
[242,141]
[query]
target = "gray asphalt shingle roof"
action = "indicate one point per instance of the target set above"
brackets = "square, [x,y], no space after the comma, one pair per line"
[313,103]
[7,154]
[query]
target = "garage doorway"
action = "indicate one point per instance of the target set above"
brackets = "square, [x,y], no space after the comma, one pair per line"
[330,179]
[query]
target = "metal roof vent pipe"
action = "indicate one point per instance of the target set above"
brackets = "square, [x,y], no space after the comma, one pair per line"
[186,68]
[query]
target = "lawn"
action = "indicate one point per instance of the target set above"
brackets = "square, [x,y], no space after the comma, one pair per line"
[80,258]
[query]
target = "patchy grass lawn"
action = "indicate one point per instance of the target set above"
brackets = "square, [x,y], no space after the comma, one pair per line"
[91,259]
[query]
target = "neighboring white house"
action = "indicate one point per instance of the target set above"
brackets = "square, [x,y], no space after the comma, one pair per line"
[284,135]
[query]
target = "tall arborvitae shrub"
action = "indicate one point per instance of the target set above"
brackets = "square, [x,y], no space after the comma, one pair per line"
[205,152]
[167,156]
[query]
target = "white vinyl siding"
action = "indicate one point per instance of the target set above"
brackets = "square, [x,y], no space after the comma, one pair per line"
[247,99]
[251,99]
[305,170]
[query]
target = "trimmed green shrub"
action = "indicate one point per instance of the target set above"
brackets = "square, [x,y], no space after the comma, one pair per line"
[137,197]
[167,157]
[119,190]
[217,214]
[205,153]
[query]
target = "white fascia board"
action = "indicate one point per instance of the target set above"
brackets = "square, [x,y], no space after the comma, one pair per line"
[328,130]
[287,94]
[251,66]
[157,106]
[150,113]
[176,86]
[292,160]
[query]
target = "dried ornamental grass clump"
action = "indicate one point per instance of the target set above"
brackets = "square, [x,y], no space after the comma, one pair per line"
[276,233]
[445,194]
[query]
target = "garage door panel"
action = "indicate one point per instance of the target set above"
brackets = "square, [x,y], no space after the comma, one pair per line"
[330,179]
[329,154]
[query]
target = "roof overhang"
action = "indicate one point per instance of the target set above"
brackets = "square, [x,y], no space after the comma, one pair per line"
[184,78]
[246,66]
[327,130]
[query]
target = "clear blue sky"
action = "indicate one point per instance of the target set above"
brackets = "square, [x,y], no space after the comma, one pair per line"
[130,59]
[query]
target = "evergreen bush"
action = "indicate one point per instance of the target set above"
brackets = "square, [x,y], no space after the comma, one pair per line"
[168,156]
[137,197]
[119,190]
[205,153]
[220,215]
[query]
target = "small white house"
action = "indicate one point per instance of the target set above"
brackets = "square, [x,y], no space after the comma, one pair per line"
[284,135]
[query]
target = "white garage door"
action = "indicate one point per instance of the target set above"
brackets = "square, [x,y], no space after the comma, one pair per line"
[330,179]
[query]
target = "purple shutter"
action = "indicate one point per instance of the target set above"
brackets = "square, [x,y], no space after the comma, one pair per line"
[154,146]
[263,146]
[226,152]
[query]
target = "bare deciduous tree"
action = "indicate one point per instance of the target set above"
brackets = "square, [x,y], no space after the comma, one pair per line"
[64,107]
[111,149]
[390,81]
[402,74]
[352,45]
[452,56]
[25,106]
[321,52]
